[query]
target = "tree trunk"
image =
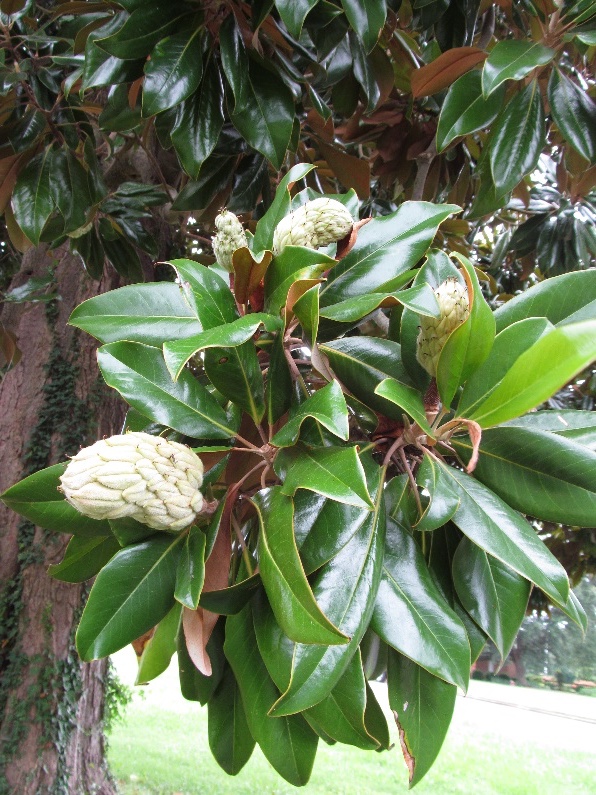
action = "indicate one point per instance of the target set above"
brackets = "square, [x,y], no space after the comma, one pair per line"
[51,404]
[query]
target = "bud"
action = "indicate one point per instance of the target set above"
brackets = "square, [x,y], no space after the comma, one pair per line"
[145,477]
[229,237]
[452,297]
[317,223]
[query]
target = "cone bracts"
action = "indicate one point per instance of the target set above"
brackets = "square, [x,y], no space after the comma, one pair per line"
[317,223]
[452,297]
[230,236]
[138,475]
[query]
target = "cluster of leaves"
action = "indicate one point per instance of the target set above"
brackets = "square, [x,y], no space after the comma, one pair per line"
[368,519]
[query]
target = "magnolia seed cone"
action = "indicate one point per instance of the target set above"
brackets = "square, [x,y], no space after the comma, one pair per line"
[317,223]
[145,477]
[229,237]
[452,297]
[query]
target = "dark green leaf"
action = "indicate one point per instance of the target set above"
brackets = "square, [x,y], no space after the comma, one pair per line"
[517,138]
[147,313]
[512,60]
[278,392]
[293,13]
[199,122]
[538,473]
[288,742]
[173,72]
[408,399]
[32,202]
[423,707]
[194,685]
[140,374]
[579,426]
[493,594]
[386,247]
[367,19]
[412,616]
[293,264]
[230,740]
[327,406]
[37,498]
[84,557]
[128,531]
[230,335]
[102,69]
[142,30]
[190,574]
[345,589]
[465,110]
[285,582]
[229,601]
[443,502]
[129,597]
[235,62]
[574,111]
[280,206]
[495,527]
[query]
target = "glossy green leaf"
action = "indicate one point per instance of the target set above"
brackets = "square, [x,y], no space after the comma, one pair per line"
[285,582]
[517,138]
[443,502]
[267,118]
[199,122]
[278,391]
[465,110]
[102,69]
[280,207]
[538,473]
[236,373]
[423,706]
[508,347]
[32,202]
[190,574]
[367,19]
[207,293]
[322,527]
[340,715]
[385,248]
[493,594]
[229,601]
[230,740]
[334,472]
[538,373]
[84,557]
[235,62]
[140,374]
[142,30]
[129,531]
[293,264]
[37,498]
[562,299]
[327,406]
[408,399]
[574,424]
[147,313]
[468,346]
[130,596]
[174,71]
[345,589]
[512,60]
[306,310]
[160,648]
[574,112]
[293,13]
[288,742]
[492,525]
[231,335]
[573,608]
[362,363]
[420,299]
[412,616]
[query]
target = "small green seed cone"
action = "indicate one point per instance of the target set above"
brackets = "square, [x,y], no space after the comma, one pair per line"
[452,297]
[230,236]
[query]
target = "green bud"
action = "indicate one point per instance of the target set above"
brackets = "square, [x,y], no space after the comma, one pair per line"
[230,236]
[452,297]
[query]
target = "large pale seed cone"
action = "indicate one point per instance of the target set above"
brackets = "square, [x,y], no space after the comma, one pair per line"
[317,223]
[229,237]
[145,477]
[452,297]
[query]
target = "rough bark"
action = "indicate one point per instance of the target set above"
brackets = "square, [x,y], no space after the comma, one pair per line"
[51,728]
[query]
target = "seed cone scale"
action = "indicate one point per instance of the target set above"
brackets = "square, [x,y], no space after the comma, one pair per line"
[452,297]
[229,237]
[145,477]
[317,223]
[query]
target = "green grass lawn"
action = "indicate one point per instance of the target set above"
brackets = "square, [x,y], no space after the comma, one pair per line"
[160,747]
